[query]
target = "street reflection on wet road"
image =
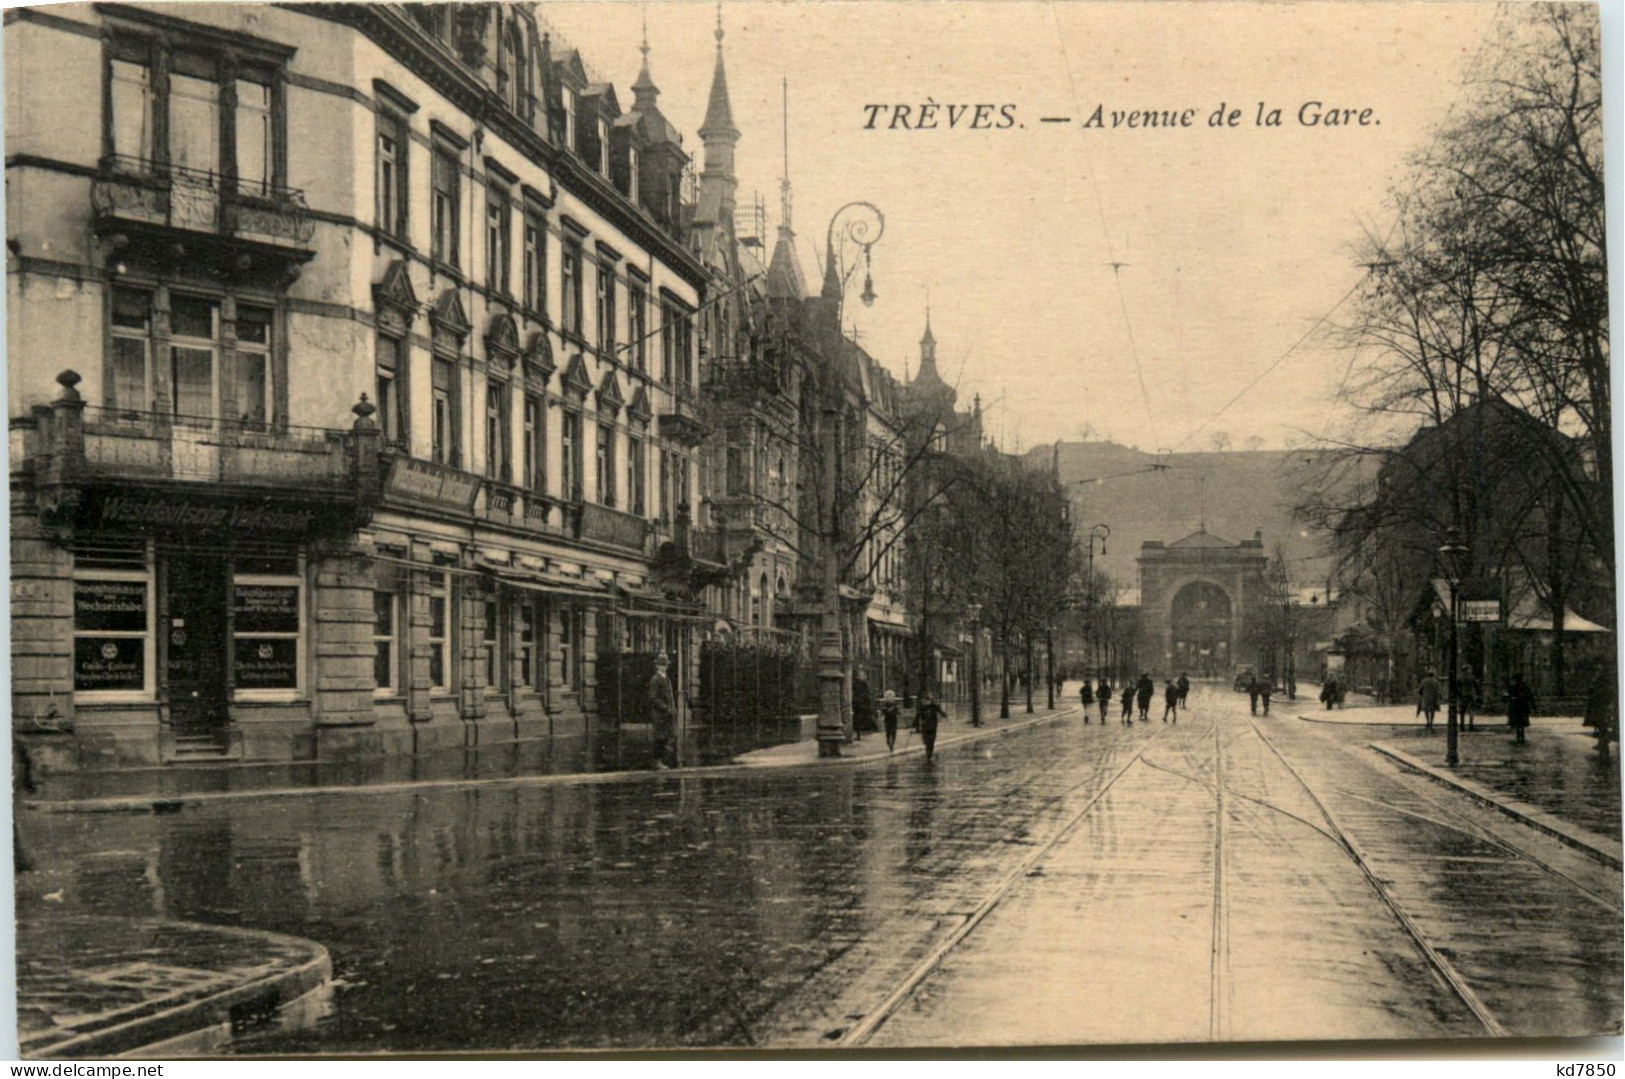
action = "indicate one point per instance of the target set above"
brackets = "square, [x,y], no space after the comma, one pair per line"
[781,908]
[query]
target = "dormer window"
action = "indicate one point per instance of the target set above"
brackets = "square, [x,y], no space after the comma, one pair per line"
[603,146]
[632,173]
[569,118]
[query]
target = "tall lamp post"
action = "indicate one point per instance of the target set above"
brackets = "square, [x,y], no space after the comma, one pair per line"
[1452,559]
[859,223]
[1099,532]
[973,612]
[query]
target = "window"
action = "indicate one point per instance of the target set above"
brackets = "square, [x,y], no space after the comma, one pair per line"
[570,454]
[605,478]
[637,326]
[498,437]
[254,402]
[665,488]
[443,408]
[491,645]
[267,612]
[606,310]
[603,146]
[676,345]
[497,239]
[569,118]
[570,274]
[535,473]
[532,616]
[129,385]
[570,644]
[194,123]
[391,390]
[535,297]
[112,625]
[636,498]
[680,483]
[633,173]
[132,104]
[194,342]
[254,150]
[438,637]
[446,198]
[393,196]
[386,642]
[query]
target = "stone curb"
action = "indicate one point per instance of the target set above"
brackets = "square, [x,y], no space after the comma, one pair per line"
[971,735]
[147,803]
[1355,723]
[1598,847]
[201,1024]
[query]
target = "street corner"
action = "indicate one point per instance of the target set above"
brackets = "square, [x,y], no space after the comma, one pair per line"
[102,986]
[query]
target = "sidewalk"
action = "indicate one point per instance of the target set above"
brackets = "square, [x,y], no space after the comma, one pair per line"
[1406,715]
[92,987]
[1555,781]
[951,732]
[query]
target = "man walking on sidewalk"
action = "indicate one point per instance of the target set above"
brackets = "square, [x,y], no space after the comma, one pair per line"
[1170,698]
[926,717]
[1520,706]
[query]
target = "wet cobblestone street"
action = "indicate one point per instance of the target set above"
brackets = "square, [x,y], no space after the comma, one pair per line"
[1062,884]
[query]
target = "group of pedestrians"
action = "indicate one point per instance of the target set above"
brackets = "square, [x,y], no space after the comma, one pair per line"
[1135,695]
[1259,691]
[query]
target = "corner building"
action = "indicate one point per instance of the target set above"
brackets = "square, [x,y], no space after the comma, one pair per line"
[353,381]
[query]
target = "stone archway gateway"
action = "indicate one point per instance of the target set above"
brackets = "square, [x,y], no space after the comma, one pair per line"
[1198,598]
[1200,621]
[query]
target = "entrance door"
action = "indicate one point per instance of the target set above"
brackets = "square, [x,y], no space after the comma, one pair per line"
[196,667]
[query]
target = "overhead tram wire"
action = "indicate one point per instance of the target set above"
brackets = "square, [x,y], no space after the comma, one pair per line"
[1117,264]
[1383,261]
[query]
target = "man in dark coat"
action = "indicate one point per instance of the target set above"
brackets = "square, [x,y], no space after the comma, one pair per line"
[1145,691]
[1520,706]
[1184,688]
[1266,687]
[888,715]
[1252,693]
[1128,702]
[662,715]
[1103,694]
[1467,691]
[1088,698]
[926,717]
[1170,700]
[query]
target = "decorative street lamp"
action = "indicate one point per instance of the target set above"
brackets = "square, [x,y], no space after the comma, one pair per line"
[973,612]
[1453,560]
[859,223]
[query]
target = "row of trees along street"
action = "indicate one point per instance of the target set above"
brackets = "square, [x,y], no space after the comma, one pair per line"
[1479,366]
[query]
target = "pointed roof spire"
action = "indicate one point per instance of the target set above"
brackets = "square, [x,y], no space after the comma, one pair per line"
[832,278]
[928,341]
[644,91]
[719,118]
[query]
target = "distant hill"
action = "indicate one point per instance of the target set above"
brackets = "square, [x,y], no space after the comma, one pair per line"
[1237,492]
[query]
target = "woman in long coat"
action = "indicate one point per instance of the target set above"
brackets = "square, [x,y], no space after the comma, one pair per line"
[1103,694]
[1428,696]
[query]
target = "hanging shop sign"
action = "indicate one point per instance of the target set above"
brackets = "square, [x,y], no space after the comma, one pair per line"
[1480,610]
[1479,600]
[432,484]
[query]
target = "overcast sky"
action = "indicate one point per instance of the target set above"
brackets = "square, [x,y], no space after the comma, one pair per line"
[1236,241]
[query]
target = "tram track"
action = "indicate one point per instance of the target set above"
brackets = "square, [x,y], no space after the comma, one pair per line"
[1233,805]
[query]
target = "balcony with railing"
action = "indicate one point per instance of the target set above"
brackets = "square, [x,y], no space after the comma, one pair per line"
[679,413]
[145,200]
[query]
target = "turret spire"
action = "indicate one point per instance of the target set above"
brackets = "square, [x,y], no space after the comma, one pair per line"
[719,118]
[644,91]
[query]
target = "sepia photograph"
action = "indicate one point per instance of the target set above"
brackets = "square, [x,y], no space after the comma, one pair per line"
[811,526]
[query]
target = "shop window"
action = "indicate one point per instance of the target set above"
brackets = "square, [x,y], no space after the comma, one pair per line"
[130,385]
[439,632]
[386,642]
[532,657]
[194,344]
[267,610]
[254,400]
[112,626]
[491,646]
